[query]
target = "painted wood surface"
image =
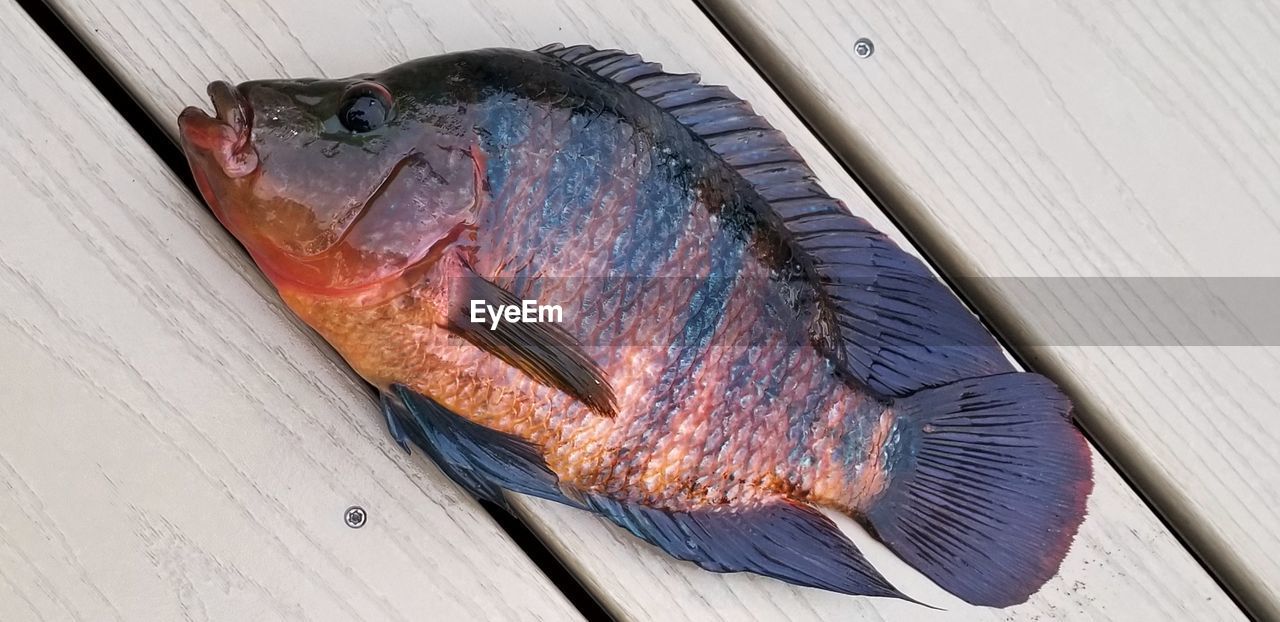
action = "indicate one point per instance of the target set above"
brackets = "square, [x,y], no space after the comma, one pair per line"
[1125,564]
[1105,178]
[172,447]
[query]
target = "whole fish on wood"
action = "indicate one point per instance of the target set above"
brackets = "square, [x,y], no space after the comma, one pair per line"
[576,276]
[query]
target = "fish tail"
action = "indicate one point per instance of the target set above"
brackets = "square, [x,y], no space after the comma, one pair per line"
[987,485]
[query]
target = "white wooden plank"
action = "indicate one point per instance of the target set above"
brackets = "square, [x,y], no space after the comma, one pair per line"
[171,446]
[1124,563]
[1088,139]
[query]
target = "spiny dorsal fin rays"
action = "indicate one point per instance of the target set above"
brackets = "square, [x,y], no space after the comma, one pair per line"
[885,319]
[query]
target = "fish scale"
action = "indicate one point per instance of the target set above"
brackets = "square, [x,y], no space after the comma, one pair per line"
[737,349]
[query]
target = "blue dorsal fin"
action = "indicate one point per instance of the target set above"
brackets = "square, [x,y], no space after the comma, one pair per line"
[883,317]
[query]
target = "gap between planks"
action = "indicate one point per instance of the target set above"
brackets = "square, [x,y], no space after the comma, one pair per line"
[164,52]
[932,66]
[162,457]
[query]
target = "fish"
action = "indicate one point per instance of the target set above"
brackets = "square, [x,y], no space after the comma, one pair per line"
[573,275]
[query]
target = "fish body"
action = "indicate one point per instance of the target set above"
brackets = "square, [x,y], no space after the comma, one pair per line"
[733,348]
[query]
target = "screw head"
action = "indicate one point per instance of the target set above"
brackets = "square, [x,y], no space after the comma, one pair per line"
[864,47]
[355,517]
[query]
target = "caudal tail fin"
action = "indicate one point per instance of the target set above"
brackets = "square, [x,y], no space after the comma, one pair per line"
[987,488]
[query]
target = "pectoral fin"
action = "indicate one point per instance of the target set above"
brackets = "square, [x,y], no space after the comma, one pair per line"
[544,351]
[481,460]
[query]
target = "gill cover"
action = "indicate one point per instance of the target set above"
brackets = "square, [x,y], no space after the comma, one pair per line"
[335,186]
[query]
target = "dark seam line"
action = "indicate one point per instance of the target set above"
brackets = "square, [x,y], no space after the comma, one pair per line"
[883,203]
[152,132]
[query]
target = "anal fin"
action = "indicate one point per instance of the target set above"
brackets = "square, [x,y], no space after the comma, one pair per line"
[481,460]
[781,539]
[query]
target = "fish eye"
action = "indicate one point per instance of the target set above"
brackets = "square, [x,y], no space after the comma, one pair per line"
[365,107]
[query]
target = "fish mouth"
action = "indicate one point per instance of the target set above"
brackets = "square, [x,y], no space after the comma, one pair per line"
[223,136]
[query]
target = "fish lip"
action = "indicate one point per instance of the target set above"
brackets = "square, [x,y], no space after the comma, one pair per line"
[225,135]
[232,108]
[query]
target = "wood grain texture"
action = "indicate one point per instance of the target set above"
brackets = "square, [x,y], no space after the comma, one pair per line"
[1088,139]
[1124,565]
[172,446]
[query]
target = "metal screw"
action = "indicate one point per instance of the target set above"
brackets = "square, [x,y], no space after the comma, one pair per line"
[864,47]
[355,517]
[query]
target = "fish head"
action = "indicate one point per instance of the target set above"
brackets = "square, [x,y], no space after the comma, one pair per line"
[337,185]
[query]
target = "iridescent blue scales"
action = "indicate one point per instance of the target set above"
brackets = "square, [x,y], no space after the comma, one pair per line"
[736,348]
